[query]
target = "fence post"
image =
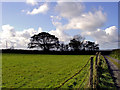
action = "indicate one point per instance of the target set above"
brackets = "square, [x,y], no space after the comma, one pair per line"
[96,60]
[96,71]
[91,72]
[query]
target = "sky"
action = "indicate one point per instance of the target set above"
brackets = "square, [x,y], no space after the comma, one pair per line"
[96,21]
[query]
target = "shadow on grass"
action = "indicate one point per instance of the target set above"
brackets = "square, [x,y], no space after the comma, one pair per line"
[105,78]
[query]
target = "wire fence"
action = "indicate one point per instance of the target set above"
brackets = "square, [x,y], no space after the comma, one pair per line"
[92,64]
[92,73]
[85,78]
[74,74]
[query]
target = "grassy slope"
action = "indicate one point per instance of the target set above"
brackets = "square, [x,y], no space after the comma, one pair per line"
[116,63]
[116,54]
[105,78]
[41,71]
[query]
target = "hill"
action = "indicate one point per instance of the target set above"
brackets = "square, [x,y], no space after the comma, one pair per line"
[115,54]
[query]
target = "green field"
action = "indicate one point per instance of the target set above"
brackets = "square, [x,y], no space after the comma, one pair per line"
[115,54]
[43,71]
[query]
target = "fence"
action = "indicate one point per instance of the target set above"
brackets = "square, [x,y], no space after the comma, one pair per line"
[93,74]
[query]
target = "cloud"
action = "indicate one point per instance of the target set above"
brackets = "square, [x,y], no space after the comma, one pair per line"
[31,2]
[77,18]
[89,24]
[87,21]
[8,31]
[63,37]
[69,9]
[18,39]
[107,38]
[42,9]
[59,32]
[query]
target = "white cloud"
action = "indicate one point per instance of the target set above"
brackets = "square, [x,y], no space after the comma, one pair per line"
[56,21]
[42,9]
[70,9]
[19,39]
[31,2]
[87,21]
[63,37]
[59,32]
[111,30]
[77,18]
[8,31]
[107,38]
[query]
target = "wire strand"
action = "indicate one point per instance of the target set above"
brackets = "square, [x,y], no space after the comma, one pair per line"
[74,74]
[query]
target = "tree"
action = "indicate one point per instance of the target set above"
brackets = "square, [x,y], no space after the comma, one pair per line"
[44,40]
[64,47]
[96,46]
[77,42]
[91,46]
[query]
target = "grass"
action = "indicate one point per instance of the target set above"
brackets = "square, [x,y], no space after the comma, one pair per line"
[115,54]
[105,78]
[116,63]
[42,71]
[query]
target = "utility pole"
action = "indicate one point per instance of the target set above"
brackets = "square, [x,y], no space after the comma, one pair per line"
[12,45]
[6,45]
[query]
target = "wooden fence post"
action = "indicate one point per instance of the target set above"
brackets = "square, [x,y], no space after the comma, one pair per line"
[91,72]
[96,60]
[96,71]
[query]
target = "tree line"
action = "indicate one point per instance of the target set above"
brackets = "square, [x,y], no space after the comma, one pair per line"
[47,42]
